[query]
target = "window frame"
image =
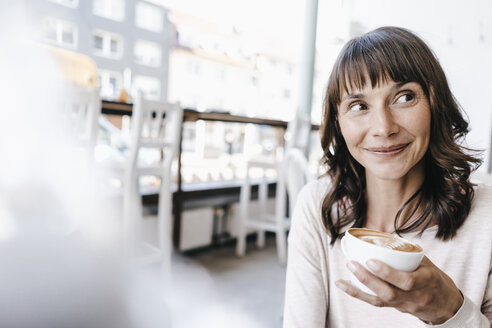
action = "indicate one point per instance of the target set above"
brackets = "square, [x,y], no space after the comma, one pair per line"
[138,24]
[139,62]
[107,36]
[108,10]
[103,76]
[60,24]
[73,4]
[159,89]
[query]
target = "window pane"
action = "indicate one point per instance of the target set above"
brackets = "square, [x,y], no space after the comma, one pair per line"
[68,3]
[112,9]
[149,17]
[98,42]
[107,44]
[110,84]
[150,86]
[67,37]
[147,53]
[114,46]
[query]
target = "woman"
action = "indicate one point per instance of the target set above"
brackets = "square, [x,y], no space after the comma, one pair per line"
[390,133]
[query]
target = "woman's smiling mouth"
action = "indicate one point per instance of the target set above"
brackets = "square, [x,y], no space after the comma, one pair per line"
[389,150]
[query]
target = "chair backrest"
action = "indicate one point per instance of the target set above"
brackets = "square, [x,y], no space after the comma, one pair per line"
[155,124]
[298,132]
[295,170]
[82,107]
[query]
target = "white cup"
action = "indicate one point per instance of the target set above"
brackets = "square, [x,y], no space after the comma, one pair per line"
[361,251]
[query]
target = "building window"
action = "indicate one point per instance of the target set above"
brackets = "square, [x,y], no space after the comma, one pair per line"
[112,9]
[67,3]
[110,84]
[60,32]
[107,44]
[149,86]
[148,53]
[149,17]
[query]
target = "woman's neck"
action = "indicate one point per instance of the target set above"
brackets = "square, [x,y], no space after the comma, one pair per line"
[386,197]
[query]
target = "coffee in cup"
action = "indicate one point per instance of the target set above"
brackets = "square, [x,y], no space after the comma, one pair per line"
[361,245]
[385,240]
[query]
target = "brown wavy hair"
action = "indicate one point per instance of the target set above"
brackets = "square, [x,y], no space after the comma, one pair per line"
[446,193]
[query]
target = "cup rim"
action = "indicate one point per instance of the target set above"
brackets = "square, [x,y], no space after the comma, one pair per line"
[347,232]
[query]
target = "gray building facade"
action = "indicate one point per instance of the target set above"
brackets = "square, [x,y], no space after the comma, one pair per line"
[128,40]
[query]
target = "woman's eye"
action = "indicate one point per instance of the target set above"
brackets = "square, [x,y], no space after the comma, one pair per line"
[404,98]
[357,107]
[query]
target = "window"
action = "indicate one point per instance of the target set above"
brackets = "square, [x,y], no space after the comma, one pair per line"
[68,3]
[110,83]
[107,44]
[150,86]
[149,17]
[112,9]
[60,32]
[98,42]
[148,53]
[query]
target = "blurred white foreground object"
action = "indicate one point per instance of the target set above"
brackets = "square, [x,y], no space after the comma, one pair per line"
[57,261]
[82,107]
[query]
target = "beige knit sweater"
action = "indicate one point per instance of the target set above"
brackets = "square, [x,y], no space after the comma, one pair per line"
[312,299]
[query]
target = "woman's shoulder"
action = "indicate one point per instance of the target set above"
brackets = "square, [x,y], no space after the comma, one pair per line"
[481,208]
[482,199]
[306,218]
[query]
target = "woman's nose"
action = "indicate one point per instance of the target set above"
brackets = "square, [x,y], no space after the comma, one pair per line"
[383,123]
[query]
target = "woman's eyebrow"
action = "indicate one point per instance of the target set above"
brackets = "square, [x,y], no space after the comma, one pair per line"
[360,95]
[353,96]
[400,84]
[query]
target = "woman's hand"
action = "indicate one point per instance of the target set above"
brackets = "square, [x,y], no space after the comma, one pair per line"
[427,293]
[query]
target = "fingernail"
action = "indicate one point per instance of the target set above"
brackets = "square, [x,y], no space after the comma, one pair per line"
[341,286]
[373,265]
[352,267]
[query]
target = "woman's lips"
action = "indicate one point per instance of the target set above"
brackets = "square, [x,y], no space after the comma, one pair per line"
[390,150]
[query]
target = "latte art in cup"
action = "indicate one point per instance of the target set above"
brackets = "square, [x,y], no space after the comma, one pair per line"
[385,240]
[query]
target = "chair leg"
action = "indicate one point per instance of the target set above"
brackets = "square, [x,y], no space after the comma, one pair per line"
[281,240]
[243,215]
[164,223]
[131,210]
[137,218]
[241,233]
[280,217]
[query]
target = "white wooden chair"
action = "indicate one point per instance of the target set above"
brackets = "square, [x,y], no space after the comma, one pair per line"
[297,174]
[82,107]
[155,125]
[152,130]
[292,174]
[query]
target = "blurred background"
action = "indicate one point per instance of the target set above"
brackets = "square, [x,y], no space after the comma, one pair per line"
[242,71]
[243,57]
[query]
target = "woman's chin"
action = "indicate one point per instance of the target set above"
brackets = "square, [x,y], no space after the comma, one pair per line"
[388,173]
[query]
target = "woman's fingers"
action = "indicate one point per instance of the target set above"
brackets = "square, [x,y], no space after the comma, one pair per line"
[427,293]
[353,291]
[385,291]
[407,281]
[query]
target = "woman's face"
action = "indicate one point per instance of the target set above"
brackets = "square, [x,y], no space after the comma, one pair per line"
[386,128]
